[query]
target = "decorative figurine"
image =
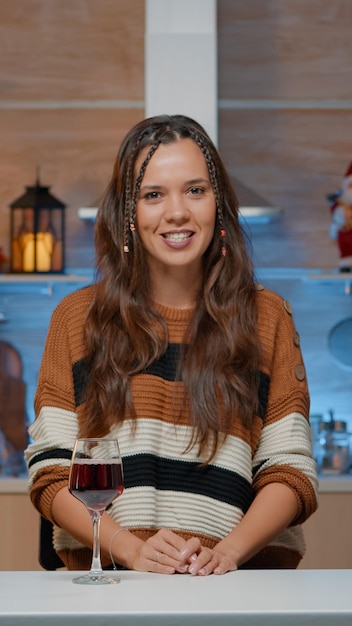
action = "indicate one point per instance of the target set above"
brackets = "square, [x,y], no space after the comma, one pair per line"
[341,220]
[3,260]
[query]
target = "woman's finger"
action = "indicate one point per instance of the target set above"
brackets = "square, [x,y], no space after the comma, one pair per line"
[161,563]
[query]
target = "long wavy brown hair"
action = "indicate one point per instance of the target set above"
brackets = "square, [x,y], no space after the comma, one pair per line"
[124,333]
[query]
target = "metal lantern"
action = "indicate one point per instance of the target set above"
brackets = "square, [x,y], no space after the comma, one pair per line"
[37,232]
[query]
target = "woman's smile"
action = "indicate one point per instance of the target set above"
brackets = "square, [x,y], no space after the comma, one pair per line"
[178,238]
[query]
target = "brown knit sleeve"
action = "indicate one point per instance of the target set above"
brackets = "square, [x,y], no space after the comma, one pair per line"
[55,428]
[44,490]
[284,452]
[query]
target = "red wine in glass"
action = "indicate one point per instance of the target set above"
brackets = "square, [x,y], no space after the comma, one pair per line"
[96,484]
[96,479]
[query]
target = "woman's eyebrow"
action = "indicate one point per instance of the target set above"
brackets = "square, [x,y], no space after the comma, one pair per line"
[196,181]
[151,187]
[193,181]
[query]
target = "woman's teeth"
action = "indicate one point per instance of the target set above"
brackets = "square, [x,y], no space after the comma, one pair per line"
[177,237]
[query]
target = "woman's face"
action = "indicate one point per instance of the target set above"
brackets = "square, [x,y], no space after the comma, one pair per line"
[176,207]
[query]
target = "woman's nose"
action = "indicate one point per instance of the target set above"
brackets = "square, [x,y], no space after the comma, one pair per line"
[176,208]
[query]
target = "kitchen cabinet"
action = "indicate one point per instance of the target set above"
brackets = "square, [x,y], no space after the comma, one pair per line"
[19,532]
[328,533]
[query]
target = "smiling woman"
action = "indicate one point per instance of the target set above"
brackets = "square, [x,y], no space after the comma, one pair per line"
[195,368]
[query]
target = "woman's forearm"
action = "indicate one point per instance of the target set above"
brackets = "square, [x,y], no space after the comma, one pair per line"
[71,515]
[272,510]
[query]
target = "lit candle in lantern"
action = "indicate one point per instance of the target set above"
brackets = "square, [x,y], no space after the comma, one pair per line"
[44,250]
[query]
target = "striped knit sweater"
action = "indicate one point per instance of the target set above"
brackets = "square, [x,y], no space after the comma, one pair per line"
[165,485]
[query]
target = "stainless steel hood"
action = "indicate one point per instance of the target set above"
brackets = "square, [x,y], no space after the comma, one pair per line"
[253,208]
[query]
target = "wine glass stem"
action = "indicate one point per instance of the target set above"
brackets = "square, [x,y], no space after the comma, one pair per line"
[96,568]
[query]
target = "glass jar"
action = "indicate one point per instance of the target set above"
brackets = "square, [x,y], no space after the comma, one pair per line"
[332,449]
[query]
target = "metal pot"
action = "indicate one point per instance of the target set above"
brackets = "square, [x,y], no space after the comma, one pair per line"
[332,447]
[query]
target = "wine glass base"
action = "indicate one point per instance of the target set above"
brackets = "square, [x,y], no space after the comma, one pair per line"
[96,579]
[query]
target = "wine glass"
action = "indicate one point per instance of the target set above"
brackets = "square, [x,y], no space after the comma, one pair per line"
[96,479]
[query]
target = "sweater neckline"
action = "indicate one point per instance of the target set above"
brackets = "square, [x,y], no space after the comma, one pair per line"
[173,314]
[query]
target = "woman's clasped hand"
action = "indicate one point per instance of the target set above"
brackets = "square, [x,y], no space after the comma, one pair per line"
[167,553]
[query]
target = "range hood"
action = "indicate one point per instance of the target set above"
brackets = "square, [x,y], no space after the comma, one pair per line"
[88,213]
[253,208]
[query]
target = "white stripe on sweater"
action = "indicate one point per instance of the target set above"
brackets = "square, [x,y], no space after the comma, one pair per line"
[169,441]
[146,507]
[286,442]
[54,428]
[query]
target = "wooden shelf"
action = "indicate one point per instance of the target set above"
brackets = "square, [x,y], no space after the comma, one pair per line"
[45,278]
[332,277]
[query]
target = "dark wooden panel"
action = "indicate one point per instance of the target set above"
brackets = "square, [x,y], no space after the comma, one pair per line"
[291,158]
[81,50]
[296,49]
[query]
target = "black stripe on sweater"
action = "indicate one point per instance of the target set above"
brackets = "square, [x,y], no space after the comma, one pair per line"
[80,375]
[147,470]
[263,393]
[165,368]
[57,453]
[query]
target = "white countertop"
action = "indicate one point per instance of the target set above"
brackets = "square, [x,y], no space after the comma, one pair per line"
[244,598]
[327,484]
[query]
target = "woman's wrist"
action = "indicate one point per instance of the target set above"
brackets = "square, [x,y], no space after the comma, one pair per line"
[230,549]
[112,539]
[123,546]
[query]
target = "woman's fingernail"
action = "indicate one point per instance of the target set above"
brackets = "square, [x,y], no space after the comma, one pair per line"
[183,568]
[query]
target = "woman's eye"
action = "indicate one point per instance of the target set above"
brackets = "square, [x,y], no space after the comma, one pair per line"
[196,191]
[152,195]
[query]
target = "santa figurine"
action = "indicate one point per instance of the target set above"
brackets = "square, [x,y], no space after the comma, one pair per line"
[3,260]
[341,221]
